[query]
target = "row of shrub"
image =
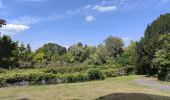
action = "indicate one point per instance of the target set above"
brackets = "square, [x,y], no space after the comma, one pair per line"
[22,79]
[63,70]
[56,75]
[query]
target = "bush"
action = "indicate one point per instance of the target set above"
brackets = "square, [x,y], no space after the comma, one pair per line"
[164,74]
[129,69]
[73,78]
[62,70]
[31,78]
[110,72]
[95,74]
[26,64]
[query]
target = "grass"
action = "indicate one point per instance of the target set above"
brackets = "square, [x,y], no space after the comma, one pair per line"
[119,88]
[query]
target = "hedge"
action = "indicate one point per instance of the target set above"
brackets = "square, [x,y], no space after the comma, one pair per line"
[56,76]
[22,79]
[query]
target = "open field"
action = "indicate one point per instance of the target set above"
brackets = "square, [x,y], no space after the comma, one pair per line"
[123,88]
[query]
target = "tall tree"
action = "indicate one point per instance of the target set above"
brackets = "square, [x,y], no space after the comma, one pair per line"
[162,58]
[148,45]
[114,46]
[8,52]
[78,53]
[51,50]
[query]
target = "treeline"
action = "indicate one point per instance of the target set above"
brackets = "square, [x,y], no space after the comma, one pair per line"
[15,55]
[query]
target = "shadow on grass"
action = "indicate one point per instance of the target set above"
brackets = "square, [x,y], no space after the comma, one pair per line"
[132,96]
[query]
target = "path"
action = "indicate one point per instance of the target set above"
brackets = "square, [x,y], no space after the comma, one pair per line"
[153,83]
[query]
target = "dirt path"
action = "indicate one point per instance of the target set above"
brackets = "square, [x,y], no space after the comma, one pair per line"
[153,83]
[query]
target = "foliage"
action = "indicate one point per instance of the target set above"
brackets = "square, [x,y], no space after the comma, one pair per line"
[78,77]
[95,74]
[8,52]
[114,46]
[50,50]
[147,46]
[78,53]
[162,58]
[129,69]
[128,56]
[110,72]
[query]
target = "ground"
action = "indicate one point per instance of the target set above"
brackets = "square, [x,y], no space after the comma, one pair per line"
[120,88]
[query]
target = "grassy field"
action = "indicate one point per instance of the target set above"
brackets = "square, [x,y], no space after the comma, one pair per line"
[119,88]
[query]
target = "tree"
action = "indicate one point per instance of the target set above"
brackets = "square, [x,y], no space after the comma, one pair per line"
[22,52]
[2,22]
[162,58]
[114,46]
[148,45]
[128,56]
[78,53]
[28,49]
[39,56]
[8,52]
[51,50]
[99,57]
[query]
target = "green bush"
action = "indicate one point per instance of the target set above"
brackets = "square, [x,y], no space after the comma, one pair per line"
[26,64]
[63,70]
[95,74]
[71,69]
[110,72]
[73,78]
[129,69]
[32,78]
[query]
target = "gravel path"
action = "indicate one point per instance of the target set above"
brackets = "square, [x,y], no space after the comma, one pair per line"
[153,83]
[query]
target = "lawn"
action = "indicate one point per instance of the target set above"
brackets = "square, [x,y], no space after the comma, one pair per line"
[119,88]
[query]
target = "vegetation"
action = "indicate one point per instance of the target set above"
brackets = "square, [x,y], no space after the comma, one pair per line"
[53,64]
[152,50]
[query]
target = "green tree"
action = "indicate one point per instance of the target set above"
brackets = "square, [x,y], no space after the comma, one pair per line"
[78,53]
[114,46]
[8,52]
[162,58]
[128,56]
[22,52]
[52,49]
[148,45]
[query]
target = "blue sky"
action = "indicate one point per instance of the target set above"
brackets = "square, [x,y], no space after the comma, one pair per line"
[67,22]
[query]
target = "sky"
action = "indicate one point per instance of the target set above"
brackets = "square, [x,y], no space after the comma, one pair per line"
[67,22]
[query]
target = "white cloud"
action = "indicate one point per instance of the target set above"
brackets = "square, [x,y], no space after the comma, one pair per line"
[104,8]
[89,18]
[11,29]
[26,20]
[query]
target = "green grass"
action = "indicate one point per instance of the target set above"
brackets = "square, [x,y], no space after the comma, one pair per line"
[109,89]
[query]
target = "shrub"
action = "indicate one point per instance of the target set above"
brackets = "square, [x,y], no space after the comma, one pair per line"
[95,74]
[73,78]
[26,64]
[110,72]
[31,78]
[63,70]
[129,69]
